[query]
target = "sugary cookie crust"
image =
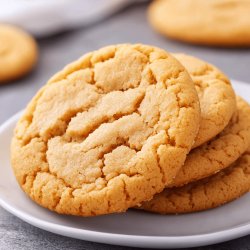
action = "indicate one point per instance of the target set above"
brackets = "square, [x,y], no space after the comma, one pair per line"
[216,95]
[18,53]
[221,151]
[107,132]
[213,22]
[211,192]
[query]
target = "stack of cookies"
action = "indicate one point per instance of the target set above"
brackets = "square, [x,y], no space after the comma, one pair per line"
[217,169]
[133,126]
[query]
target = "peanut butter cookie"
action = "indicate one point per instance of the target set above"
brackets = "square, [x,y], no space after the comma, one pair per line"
[210,192]
[107,132]
[213,22]
[216,95]
[18,53]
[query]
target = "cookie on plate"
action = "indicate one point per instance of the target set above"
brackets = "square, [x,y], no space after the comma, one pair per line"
[213,22]
[18,53]
[107,132]
[216,95]
[221,151]
[208,193]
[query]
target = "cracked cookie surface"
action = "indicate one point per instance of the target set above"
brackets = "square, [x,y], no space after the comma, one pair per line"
[104,133]
[18,53]
[213,22]
[219,152]
[208,193]
[216,95]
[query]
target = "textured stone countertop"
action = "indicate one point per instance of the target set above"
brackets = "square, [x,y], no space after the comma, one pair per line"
[129,25]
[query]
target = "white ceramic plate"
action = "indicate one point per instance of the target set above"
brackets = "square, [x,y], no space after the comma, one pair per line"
[133,228]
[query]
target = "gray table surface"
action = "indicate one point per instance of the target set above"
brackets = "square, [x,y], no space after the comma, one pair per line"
[129,25]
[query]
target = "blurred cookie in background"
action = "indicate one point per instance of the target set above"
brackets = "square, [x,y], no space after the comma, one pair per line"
[18,53]
[224,23]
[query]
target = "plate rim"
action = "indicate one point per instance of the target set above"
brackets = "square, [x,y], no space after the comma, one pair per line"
[126,239]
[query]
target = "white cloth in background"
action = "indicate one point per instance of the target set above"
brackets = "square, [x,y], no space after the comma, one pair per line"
[45,17]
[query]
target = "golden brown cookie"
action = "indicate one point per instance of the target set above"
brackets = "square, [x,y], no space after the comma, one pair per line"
[216,95]
[221,151]
[18,53]
[211,192]
[107,132]
[213,22]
